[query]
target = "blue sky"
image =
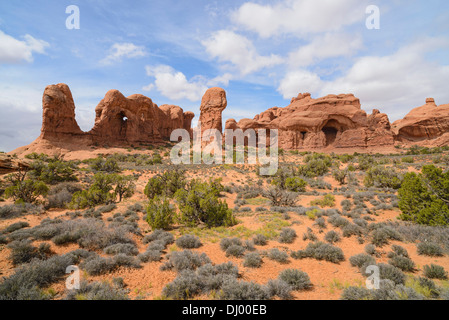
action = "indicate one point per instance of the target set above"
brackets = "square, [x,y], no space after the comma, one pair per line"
[261,52]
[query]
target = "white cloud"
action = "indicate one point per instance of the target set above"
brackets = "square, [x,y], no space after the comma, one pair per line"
[227,46]
[299,81]
[174,84]
[15,51]
[118,51]
[329,45]
[299,17]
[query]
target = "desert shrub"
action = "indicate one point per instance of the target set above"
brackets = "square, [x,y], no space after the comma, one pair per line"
[332,237]
[241,290]
[365,162]
[97,291]
[383,177]
[160,215]
[188,242]
[430,249]
[279,288]
[356,293]
[352,230]
[225,243]
[61,194]
[327,201]
[279,197]
[408,160]
[382,235]
[295,184]
[260,240]
[150,255]
[88,233]
[435,272]
[28,281]
[23,190]
[320,251]
[186,285]
[340,176]
[104,165]
[398,251]
[16,226]
[392,273]
[287,235]
[424,197]
[159,235]
[124,187]
[403,263]
[17,210]
[346,204]
[297,279]
[252,260]
[186,259]
[278,255]
[309,235]
[166,184]
[125,248]
[98,193]
[362,223]
[316,165]
[361,260]
[22,251]
[371,249]
[200,205]
[53,170]
[235,251]
[338,221]
[320,223]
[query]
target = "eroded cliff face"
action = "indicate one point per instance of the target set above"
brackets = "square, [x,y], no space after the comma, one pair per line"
[427,122]
[332,121]
[119,120]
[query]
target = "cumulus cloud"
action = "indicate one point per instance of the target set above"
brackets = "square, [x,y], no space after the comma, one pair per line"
[299,17]
[16,51]
[298,81]
[329,45]
[174,84]
[394,83]
[228,46]
[119,51]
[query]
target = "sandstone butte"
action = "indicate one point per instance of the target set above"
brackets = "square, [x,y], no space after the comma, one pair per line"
[330,123]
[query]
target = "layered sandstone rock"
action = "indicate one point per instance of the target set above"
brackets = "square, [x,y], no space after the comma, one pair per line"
[119,121]
[9,164]
[423,123]
[334,120]
[212,105]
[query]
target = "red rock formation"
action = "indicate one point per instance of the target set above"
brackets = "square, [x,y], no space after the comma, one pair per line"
[212,105]
[336,121]
[119,121]
[423,123]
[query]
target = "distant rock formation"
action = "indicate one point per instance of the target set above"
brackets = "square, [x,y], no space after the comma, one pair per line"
[423,123]
[119,121]
[332,121]
[212,105]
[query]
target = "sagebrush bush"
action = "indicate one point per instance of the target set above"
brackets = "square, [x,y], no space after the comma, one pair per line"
[403,263]
[225,243]
[97,291]
[16,226]
[22,251]
[278,255]
[338,221]
[260,240]
[241,290]
[361,260]
[252,260]
[297,279]
[352,230]
[188,241]
[125,248]
[320,251]
[279,288]
[398,251]
[235,251]
[287,235]
[435,272]
[186,259]
[332,237]
[430,249]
